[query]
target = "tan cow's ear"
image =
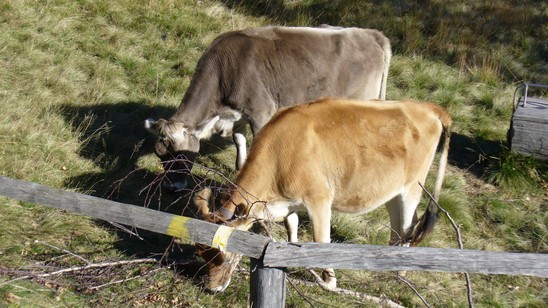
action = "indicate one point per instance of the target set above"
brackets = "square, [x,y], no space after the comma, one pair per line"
[241,210]
[209,254]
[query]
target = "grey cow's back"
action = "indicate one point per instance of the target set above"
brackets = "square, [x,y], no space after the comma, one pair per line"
[288,66]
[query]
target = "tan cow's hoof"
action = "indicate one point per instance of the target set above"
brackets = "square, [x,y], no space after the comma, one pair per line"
[330,279]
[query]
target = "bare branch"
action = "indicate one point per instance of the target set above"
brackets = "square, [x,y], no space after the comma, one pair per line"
[124,280]
[459,239]
[80,268]
[383,301]
[408,283]
[128,231]
[291,282]
[63,250]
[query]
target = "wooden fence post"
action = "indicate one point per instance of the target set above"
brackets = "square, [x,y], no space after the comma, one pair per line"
[266,285]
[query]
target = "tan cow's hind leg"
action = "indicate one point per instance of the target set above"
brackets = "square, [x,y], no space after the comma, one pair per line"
[409,211]
[394,208]
[403,215]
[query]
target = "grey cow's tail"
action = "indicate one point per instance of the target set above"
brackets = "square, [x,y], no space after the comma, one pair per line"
[427,222]
[384,42]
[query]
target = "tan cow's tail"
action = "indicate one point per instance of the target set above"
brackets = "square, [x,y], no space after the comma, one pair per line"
[427,222]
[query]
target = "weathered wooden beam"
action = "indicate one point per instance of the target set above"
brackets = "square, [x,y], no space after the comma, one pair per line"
[244,243]
[389,258]
[266,286]
[277,255]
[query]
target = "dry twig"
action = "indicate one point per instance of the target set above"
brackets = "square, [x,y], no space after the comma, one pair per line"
[291,282]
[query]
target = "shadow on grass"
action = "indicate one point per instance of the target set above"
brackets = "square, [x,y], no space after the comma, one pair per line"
[112,136]
[114,139]
[429,28]
[474,154]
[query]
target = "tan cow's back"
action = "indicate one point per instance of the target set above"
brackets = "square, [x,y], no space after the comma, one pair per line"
[363,153]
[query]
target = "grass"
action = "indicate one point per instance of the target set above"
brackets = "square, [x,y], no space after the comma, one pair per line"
[77,79]
[516,171]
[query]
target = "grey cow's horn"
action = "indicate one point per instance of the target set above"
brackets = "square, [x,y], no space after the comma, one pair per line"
[150,126]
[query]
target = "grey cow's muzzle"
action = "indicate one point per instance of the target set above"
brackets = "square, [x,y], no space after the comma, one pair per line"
[176,171]
[174,186]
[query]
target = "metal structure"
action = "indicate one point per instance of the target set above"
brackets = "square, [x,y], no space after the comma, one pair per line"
[528,133]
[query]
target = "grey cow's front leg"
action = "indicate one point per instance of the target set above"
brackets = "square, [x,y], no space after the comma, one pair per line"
[257,121]
[239,137]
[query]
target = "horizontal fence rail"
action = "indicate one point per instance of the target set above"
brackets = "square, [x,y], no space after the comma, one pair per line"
[195,230]
[275,254]
[387,258]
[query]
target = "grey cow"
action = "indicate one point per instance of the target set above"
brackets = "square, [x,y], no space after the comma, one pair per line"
[246,76]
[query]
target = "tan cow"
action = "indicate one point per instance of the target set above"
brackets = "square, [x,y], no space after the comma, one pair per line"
[350,156]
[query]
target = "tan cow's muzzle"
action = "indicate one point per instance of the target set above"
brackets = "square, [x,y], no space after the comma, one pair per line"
[220,267]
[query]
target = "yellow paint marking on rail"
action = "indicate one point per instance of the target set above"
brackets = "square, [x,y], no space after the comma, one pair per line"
[177,227]
[220,240]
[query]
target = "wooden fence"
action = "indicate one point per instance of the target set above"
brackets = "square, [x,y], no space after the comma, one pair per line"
[269,258]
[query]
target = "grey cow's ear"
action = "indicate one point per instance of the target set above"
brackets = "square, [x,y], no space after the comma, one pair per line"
[231,115]
[205,130]
[151,127]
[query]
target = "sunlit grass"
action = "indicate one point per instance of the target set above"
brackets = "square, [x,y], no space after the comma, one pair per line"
[77,78]
[516,172]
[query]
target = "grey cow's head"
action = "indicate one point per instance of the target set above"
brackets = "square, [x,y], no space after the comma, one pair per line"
[177,145]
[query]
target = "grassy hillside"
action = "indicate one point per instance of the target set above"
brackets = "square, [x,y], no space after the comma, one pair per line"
[77,79]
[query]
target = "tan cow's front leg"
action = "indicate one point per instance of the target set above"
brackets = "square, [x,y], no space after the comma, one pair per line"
[292,225]
[321,222]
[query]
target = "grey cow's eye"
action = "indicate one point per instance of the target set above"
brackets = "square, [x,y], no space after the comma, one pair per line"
[162,139]
[187,134]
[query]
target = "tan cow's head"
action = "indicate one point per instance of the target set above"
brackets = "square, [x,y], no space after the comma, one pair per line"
[220,264]
[177,145]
